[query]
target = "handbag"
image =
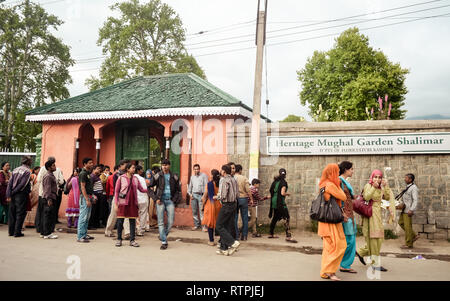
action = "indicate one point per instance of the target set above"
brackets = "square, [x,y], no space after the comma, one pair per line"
[362,207]
[122,196]
[326,211]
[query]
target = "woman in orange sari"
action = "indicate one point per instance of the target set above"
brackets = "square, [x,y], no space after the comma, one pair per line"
[334,243]
[211,207]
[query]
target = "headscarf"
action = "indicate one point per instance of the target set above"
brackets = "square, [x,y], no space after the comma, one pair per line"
[346,183]
[376,172]
[148,174]
[330,174]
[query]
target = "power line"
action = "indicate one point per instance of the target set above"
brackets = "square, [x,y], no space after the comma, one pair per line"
[318,29]
[317,23]
[202,32]
[367,28]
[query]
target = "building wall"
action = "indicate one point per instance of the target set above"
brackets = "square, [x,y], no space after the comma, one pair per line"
[432,172]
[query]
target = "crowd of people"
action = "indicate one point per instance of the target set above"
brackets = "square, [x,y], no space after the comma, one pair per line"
[132,201]
[339,239]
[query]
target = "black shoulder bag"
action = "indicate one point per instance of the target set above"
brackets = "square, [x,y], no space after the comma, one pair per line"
[326,211]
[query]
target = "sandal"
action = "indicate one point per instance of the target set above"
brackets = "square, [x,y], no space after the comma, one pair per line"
[291,240]
[348,271]
[331,277]
[134,244]
[119,243]
[272,236]
[109,235]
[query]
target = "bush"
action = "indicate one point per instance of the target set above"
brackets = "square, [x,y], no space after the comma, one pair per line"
[313,227]
[389,234]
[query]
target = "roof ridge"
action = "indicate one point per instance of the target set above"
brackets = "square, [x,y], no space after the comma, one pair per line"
[215,89]
[57,103]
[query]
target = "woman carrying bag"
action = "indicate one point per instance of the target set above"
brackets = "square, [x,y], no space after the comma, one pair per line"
[373,229]
[126,203]
[334,243]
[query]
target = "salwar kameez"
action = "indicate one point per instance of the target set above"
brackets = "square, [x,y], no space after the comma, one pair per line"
[372,227]
[349,227]
[333,237]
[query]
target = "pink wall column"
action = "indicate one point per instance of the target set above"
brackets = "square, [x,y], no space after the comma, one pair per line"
[58,140]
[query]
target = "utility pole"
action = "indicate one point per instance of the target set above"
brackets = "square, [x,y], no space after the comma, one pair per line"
[256,119]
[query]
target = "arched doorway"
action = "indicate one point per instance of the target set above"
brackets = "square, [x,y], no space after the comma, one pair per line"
[141,141]
[86,144]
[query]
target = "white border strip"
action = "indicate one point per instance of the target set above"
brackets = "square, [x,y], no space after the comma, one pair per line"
[16,154]
[142,113]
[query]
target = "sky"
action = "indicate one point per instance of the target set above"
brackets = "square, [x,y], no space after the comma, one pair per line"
[422,46]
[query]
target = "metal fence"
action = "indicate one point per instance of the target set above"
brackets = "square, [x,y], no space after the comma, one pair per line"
[14,158]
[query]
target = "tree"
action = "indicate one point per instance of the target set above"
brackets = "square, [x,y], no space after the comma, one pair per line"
[146,39]
[33,69]
[293,118]
[351,77]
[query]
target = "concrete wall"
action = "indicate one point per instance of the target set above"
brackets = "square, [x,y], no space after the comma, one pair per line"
[432,218]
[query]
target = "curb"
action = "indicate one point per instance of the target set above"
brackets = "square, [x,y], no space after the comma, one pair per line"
[309,250]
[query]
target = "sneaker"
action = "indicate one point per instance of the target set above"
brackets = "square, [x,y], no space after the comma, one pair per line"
[134,244]
[163,246]
[51,236]
[236,244]
[83,240]
[119,243]
[223,252]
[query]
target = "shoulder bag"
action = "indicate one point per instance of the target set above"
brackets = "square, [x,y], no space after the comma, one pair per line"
[362,207]
[326,211]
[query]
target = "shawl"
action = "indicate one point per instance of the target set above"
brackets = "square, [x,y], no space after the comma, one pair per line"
[376,172]
[76,191]
[346,183]
[330,174]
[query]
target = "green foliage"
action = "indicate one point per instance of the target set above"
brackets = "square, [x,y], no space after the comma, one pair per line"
[351,77]
[33,69]
[293,118]
[314,226]
[389,234]
[146,39]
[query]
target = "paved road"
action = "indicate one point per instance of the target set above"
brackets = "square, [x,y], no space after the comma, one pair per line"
[33,258]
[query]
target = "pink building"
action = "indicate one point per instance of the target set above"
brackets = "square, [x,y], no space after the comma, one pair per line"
[178,116]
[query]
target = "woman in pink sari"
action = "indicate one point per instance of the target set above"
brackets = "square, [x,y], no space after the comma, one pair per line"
[73,205]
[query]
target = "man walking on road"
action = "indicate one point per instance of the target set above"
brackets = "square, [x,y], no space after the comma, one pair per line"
[410,197]
[227,194]
[168,194]
[196,189]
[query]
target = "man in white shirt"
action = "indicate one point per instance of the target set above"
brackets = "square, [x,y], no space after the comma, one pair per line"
[196,188]
[142,201]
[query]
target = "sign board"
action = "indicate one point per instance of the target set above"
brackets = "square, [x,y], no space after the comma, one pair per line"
[369,144]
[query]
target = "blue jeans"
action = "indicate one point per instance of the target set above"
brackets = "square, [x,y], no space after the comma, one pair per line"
[169,207]
[196,203]
[83,219]
[242,205]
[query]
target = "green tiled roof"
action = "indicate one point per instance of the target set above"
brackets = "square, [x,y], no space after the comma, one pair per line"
[145,93]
